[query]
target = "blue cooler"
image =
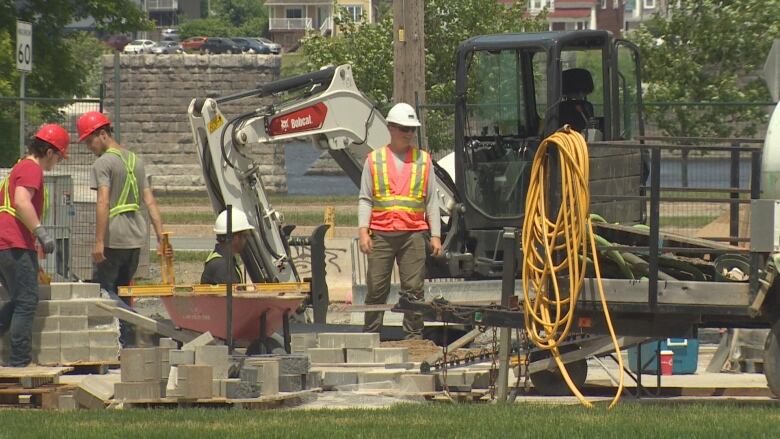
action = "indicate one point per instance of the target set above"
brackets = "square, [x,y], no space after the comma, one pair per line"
[686,355]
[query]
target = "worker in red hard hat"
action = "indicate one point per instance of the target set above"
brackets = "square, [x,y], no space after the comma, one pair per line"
[22,195]
[119,177]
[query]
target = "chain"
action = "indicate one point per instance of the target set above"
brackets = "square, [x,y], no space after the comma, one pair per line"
[444,364]
[493,364]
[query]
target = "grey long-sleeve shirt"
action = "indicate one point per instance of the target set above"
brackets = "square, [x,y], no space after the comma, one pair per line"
[366,198]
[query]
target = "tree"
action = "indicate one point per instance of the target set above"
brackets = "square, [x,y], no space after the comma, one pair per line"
[62,64]
[231,18]
[708,51]
[369,49]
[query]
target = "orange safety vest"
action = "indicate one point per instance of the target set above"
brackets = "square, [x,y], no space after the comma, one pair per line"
[399,197]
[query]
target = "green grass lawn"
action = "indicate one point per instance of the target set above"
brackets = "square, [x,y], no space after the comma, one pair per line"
[281,199]
[430,421]
[300,218]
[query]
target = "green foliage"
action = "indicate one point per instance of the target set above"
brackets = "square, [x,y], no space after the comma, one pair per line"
[231,18]
[88,51]
[369,48]
[708,51]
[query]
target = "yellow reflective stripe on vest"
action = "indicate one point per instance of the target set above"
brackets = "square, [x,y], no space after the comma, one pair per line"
[384,199]
[419,172]
[6,206]
[214,255]
[131,184]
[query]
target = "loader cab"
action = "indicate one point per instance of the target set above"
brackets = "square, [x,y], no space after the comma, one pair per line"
[512,91]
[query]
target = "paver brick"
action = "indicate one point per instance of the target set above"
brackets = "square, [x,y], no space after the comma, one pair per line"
[291,383]
[337,378]
[195,381]
[416,383]
[360,355]
[140,365]
[326,355]
[216,357]
[391,355]
[137,391]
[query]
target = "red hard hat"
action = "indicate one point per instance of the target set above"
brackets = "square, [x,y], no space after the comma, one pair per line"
[89,122]
[56,136]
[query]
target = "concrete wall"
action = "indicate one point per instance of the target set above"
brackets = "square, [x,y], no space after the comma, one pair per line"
[155,92]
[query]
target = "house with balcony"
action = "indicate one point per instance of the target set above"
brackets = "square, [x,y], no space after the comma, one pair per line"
[290,20]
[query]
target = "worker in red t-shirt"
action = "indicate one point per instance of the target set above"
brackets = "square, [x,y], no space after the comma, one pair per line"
[22,197]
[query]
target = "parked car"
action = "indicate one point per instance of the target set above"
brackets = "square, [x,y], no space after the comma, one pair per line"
[193,43]
[118,42]
[167,47]
[170,34]
[275,48]
[139,46]
[249,45]
[219,45]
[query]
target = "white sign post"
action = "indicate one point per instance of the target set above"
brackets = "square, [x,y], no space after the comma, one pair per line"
[23,55]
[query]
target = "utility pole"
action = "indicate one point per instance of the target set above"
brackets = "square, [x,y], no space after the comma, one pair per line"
[409,53]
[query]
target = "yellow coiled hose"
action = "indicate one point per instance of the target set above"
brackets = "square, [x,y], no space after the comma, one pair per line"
[554,251]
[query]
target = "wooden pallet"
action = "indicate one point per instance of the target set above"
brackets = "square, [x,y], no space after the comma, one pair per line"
[32,376]
[261,403]
[44,397]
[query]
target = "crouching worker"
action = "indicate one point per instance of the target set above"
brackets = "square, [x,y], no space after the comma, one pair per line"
[23,201]
[216,270]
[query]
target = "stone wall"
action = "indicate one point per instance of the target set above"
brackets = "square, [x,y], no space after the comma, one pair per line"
[155,92]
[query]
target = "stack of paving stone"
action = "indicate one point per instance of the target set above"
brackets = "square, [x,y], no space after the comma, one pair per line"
[341,348]
[142,375]
[69,327]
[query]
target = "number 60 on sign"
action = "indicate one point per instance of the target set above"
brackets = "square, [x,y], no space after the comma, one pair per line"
[23,46]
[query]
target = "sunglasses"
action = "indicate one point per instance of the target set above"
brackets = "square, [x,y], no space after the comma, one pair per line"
[404,129]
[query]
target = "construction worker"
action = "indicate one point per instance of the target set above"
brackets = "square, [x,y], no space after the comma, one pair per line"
[215,269]
[396,210]
[23,205]
[119,178]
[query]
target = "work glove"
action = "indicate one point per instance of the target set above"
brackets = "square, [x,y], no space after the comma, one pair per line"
[47,242]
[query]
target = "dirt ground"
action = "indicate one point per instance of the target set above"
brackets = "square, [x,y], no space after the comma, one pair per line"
[419,350]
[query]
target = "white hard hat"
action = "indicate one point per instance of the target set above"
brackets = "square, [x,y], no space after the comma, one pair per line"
[240,222]
[403,114]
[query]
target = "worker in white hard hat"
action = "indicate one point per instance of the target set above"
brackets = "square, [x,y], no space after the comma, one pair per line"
[397,212]
[215,270]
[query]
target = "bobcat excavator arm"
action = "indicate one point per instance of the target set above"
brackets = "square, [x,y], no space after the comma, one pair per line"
[325,107]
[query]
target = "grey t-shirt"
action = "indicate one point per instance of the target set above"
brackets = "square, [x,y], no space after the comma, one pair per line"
[366,198]
[125,230]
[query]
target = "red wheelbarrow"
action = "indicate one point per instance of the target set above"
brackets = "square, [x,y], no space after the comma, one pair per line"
[259,310]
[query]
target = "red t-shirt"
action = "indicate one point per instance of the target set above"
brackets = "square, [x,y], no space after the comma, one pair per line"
[13,233]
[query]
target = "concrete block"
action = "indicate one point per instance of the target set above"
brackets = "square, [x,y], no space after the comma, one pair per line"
[361,340]
[477,379]
[391,355]
[104,354]
[251,374]
[377,376]
[94,391]
[201,340]
[168,343]
[291,383]
[85,290]
[66,403]
[46,324]
[300,342]
[330,340]
[337,378]
[360,355]
[46,340]
[237,389]
[293,364]
[103,338]
[46,356]
[218,389]
[101,323]
[47,308]
[140,365]
[313,379]
[59,291]
[195,381]
[72,323]
[415,383]
[71,307]
[93,310]
[216,357]
[74,354]
[137,391]
[177,357]
[326,355]
[73,339]
[269,373]
[165,365]
[456,379]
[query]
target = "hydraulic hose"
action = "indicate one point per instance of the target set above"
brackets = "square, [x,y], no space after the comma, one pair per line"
[556,244]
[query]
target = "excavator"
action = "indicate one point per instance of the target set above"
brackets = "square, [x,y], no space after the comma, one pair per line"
[512,91]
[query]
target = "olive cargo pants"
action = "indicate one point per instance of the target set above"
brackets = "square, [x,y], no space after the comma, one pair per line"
[408,250]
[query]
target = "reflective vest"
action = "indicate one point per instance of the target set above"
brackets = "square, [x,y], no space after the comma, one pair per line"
[131,184]
[399,195]
[214,255]
[9,209]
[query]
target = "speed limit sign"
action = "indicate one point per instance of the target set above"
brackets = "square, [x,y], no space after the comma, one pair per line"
[23,52]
